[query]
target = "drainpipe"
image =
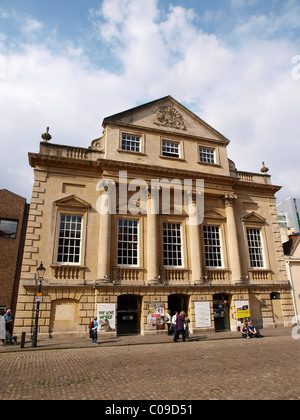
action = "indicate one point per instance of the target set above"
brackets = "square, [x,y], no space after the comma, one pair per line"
[292,288]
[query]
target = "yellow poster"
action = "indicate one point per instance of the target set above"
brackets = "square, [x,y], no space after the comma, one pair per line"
[242,311]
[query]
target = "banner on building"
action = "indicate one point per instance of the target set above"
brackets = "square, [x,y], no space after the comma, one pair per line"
[156,313]
[106,317]
[202,314]
[242,311]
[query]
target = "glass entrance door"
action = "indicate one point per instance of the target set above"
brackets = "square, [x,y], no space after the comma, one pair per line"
[128,314]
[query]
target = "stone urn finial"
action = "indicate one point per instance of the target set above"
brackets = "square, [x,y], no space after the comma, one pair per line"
[264,169]
[46,136]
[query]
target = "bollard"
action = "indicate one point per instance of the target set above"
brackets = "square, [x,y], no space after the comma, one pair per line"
[23,340]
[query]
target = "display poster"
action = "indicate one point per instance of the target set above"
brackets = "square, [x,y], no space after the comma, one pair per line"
[106,317]
[156,313]
[202,313]
[242,311]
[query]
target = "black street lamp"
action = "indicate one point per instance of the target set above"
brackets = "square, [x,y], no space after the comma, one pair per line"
[40,272]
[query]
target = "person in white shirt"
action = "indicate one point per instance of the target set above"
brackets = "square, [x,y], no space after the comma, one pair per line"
[174,319]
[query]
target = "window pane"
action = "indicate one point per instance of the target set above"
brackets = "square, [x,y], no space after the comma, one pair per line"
[212,242]
[170,149]
[255,248]
[8,228]
[128,241]
[131,143]
[207,155]
[172,245]
[68,247]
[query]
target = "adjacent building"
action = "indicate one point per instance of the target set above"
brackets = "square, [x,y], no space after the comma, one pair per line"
[13,222]
[114,227]
[292,254]
[289,216]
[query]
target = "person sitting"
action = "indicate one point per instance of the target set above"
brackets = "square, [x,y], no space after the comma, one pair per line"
[245,330]
[252,331]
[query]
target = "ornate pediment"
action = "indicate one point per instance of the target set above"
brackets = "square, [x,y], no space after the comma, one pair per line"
[166,114]
[169,116]
[72,201]
[253,218]
[213,215]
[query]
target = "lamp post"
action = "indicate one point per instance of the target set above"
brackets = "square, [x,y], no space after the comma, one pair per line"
[40,272]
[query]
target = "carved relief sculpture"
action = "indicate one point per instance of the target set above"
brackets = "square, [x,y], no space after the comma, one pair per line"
[168,116]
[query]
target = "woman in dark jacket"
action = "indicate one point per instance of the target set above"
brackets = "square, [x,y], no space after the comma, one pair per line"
[180,326]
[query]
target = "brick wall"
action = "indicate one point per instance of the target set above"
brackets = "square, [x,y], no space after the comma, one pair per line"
[12,207]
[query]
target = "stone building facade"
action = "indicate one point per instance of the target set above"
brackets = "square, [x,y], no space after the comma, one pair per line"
[13,221]
[141,262]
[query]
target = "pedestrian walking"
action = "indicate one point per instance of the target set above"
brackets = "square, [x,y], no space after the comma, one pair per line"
[174,318]
[180,326]
[94,331]
[2,327]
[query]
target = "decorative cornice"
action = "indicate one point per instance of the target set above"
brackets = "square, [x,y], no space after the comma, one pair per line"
[97,167]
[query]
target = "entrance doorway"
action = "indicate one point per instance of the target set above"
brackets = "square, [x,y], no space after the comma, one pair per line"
[178,303]
[129,314]
[221,312]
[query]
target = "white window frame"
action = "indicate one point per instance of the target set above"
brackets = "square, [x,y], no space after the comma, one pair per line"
[257,246]
[168,242]
[127,243]
[173,149]
[213,234]
[71,237]
[208,155]
[131,143]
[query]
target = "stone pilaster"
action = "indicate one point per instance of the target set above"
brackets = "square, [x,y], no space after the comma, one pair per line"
[152,239]
[233,246]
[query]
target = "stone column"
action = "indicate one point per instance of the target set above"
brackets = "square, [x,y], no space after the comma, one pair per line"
[233,246]
[152,237]
[104,257]
[195,250]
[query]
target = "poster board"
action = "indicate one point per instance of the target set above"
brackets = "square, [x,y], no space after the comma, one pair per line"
[242,309]
[106,317]
[202,314]
[155,319]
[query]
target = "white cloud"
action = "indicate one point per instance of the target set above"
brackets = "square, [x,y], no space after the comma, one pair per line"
[31,25]
[245,91]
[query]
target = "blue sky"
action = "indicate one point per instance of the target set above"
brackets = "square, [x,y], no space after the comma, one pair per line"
[68,64]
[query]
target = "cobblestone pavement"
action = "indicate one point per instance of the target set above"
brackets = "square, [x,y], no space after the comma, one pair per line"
[267,368]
